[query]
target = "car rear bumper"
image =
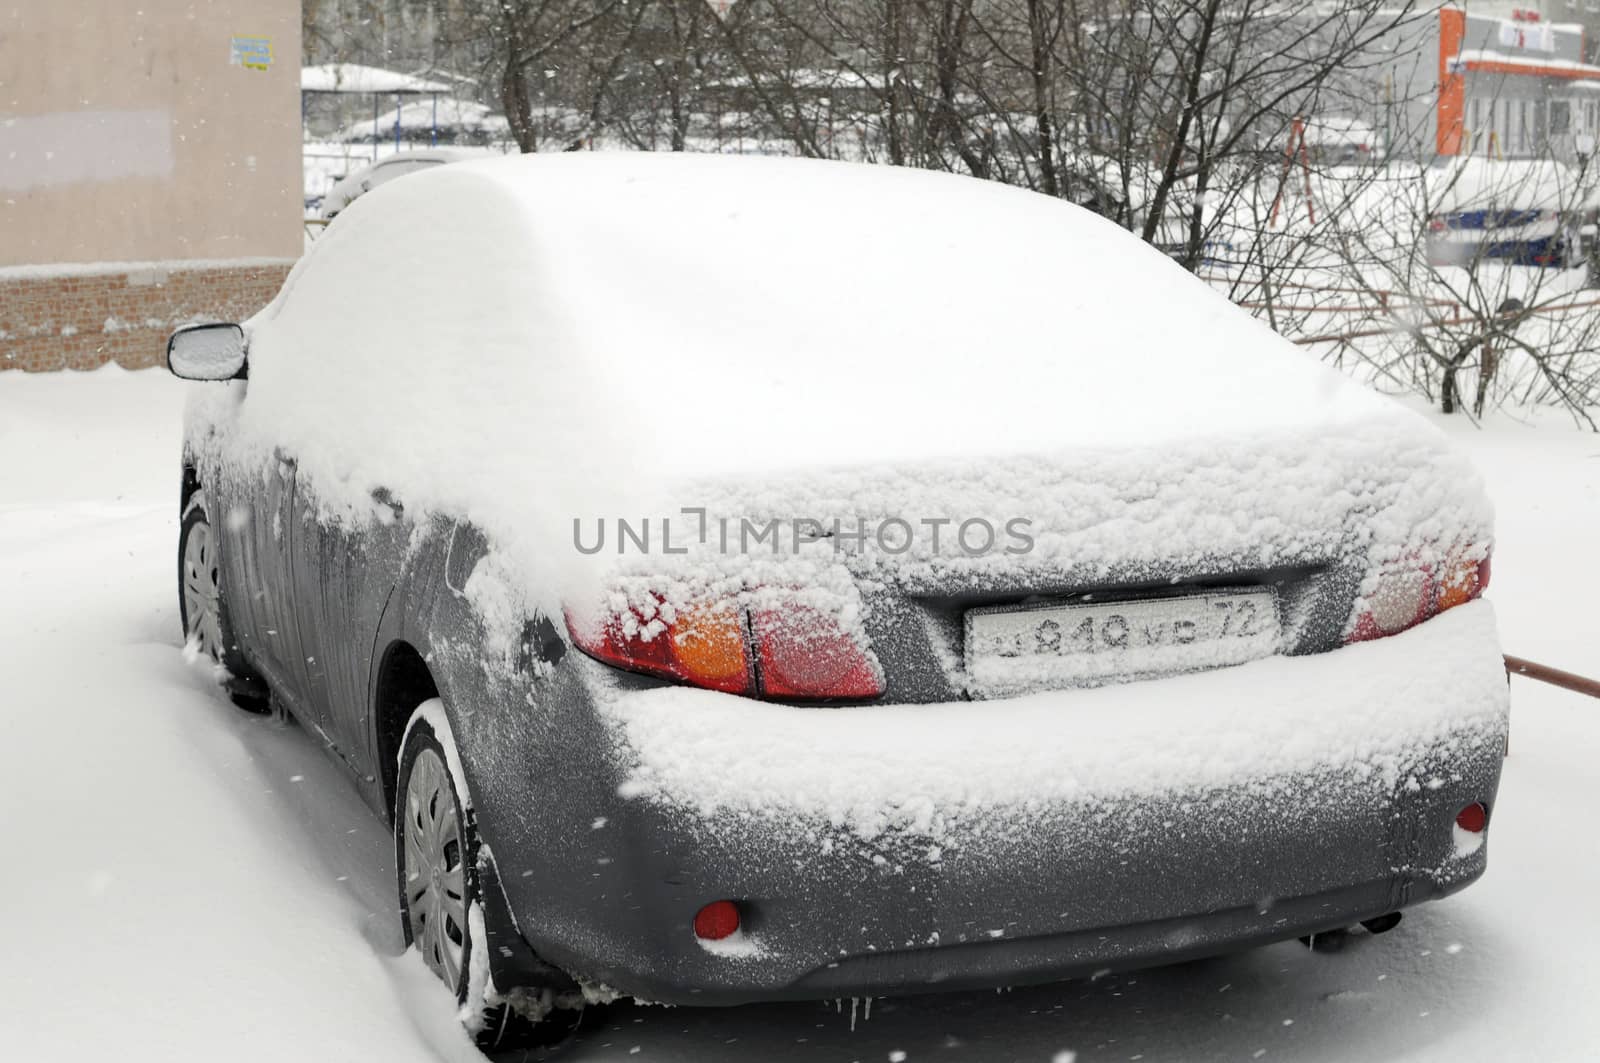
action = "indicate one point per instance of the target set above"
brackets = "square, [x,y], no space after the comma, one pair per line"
[1186,817]
[1084,953]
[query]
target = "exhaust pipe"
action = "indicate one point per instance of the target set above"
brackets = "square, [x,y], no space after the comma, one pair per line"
[1337,940]
[1382,924]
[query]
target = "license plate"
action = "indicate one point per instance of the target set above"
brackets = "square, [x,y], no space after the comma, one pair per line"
[1016,649]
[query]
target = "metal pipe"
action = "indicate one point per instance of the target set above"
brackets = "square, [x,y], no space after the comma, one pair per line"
[1554,676]
[1464,319]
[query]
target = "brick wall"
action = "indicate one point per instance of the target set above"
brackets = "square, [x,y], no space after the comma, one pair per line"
[84,317]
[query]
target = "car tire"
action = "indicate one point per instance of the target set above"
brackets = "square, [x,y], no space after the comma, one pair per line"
[437,854]
[203,609]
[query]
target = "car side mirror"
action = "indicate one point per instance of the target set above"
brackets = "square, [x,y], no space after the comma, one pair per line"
[207,352]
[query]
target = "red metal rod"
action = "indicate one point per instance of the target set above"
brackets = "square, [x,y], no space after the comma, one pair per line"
[1383,294]
[1292,309]
[1464,319]
[1554,676]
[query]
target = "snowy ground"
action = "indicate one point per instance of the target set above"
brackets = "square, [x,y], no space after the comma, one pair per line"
[183,882]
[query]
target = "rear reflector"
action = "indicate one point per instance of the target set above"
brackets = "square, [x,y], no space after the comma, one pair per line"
[1473,818]
[716,921]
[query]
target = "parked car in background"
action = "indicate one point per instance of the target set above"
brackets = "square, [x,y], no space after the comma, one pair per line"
[434,122]
[1511,212]
[1548,239]
[749,579]
[359,182]
[1333,140]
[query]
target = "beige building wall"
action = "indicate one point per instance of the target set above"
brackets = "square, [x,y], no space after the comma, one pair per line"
[133,130]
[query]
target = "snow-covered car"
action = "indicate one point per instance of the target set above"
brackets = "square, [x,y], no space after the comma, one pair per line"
[747,579]
[1518,212]
[359,182]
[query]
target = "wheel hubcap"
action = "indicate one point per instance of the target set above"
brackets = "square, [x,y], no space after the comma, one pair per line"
[435,875]
[201,594]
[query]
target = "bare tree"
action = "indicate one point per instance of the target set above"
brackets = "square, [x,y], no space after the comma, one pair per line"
[552,60]
[1207,127]
[1473,269]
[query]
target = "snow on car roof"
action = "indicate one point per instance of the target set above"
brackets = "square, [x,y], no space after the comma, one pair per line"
[533,340]
[928,313]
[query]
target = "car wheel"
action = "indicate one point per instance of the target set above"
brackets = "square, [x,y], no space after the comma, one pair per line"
[437,864]
[203,610]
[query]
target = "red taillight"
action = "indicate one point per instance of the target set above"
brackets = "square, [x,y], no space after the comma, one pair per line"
[804,653]
[716,921]
[1409,592]
[799,651]
[705,645]
[1473,818]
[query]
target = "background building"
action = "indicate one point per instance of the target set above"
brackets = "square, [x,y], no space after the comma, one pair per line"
[149,171]
[1493,81]
[1585,14]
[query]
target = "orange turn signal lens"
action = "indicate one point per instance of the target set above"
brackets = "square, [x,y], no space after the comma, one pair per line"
[1462,581]
[709,644]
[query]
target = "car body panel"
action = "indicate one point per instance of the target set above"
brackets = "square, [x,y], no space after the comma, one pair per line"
[255,511]
[344,578]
